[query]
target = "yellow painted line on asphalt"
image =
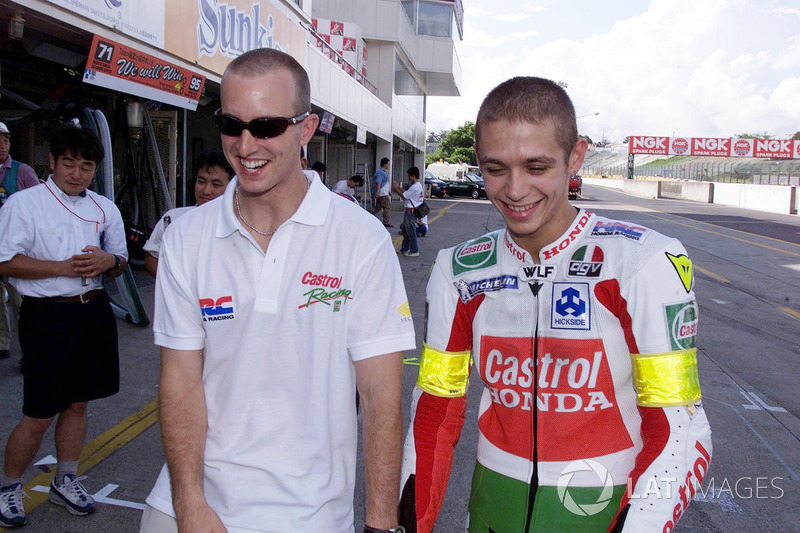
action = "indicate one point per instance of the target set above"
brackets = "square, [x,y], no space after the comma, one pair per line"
[746,241]
[398,240]
[98,449]
[710,274]
[791,312]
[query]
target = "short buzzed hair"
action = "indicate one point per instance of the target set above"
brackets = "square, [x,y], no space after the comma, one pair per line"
[534,100]
[262,60]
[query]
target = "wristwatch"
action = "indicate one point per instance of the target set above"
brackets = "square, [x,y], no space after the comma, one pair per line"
[398,529]
[116,262]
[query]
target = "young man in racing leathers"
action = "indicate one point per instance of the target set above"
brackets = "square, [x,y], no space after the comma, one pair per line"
[583,331]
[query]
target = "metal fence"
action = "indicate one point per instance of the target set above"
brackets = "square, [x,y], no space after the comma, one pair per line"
[756,171]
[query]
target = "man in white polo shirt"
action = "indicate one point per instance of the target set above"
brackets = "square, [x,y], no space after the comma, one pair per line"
[267,311]
[57,239]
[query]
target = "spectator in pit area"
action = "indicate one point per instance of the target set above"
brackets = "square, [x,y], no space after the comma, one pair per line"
[413,197]
[381,192]
[14,176]
[258,417]
[57,240]
[349,185]
[213,175]
[320,168]
[422,226]
[560,303]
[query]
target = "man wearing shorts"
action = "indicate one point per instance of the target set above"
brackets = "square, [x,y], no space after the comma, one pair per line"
[57,240]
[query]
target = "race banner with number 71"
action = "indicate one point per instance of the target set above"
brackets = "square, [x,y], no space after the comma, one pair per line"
[121,68]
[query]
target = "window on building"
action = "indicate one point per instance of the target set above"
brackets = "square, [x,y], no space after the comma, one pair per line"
[407,89]
[410,7]
[435,18]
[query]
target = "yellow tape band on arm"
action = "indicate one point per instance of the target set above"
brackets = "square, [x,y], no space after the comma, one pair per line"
[666,379]
[443,373]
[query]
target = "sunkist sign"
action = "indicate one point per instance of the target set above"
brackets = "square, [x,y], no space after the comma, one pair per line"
[714,146]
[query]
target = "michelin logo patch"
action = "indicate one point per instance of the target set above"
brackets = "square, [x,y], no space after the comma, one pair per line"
[571,306]
[467,291]
[613,228]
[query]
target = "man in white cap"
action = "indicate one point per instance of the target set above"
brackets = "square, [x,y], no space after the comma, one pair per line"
[14,176]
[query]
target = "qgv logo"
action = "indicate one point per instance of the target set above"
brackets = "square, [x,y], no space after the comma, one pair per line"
[113,3]
[583,476]
[212,310]
[571,306]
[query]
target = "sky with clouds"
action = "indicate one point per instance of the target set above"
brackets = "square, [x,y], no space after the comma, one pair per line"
[708,68]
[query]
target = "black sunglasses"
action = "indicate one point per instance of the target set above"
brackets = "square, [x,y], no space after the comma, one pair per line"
[260,128]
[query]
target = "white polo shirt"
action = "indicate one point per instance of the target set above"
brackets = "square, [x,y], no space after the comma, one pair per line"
[44,222]
[153,244]
[281,331]
[413,195]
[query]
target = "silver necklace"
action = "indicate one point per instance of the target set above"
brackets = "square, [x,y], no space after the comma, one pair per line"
[246,223]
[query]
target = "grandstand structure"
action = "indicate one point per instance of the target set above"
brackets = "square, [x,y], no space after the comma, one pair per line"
[612,162]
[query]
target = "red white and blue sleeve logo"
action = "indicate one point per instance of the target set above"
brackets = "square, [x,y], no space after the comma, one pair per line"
[217,309]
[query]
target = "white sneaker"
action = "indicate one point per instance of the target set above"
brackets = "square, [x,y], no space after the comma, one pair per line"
[72,495]
[12,512]
[411,254]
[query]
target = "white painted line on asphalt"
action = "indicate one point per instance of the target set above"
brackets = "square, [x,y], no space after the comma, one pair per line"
[756,403]
[720,302]
[101,496]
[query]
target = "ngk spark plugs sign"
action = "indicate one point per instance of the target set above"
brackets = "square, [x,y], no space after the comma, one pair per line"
[141,19]
[649,145]
[121,68]
[711,146]
[715,146]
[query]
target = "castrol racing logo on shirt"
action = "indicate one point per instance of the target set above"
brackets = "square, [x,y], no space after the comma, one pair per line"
[323,289]
[475,254]
[213,309]
[569,389]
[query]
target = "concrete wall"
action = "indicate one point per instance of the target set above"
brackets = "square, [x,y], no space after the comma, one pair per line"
[698,191]
[782,199]
[642,188]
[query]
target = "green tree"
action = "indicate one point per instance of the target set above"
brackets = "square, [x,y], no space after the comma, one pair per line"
[796,136]
[456,145]
[764,135]
[588,139]
[463,155]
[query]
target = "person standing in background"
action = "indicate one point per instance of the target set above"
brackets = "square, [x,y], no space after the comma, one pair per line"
[213,175]
[413,196]
[381,192]
[57,240]
[14,176]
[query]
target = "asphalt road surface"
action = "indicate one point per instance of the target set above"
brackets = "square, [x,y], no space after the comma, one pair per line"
[747,268]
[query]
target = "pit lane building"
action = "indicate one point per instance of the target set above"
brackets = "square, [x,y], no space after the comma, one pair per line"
[372,64]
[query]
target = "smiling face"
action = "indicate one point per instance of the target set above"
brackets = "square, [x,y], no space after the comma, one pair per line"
[71,173]
[211,183]
[526,174]
[262,165]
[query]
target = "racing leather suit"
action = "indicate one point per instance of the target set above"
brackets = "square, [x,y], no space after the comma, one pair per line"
[590,416]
